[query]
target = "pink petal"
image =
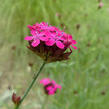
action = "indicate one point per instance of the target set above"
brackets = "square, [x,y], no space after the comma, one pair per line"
[28,38]
[45,81]
[51,92]
[49,88]
[74,47]
[47,33]
[35,43]
[56,85]
[30,27]
[60,44]
[74,42]
[43,38]
[53,82]
[62,38]
[50,42]
[70,37]
[33,32]
[51,28]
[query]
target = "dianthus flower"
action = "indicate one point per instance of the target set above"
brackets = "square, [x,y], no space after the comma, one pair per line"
[49,41]
[50,86]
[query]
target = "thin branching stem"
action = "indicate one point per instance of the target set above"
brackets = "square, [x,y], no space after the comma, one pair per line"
[31,84]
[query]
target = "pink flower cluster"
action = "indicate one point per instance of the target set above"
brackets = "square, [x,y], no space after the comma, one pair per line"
[50,86]
[50,35]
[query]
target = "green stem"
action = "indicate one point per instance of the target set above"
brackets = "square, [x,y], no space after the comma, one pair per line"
[30,86]
[16,107]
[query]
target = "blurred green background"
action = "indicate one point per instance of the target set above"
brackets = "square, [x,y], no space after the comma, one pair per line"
[84,78]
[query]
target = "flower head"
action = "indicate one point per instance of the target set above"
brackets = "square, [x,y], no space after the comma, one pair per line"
[100,5]
[50,86]
[49,41]
[16,99]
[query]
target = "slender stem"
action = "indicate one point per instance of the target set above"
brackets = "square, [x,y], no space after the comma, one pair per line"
[16,107]
[31,84]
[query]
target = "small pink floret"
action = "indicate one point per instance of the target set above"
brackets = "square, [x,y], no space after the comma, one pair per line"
[45,81]
[50,86]
[35,43]
[50,42]
[28,38]
[60,44]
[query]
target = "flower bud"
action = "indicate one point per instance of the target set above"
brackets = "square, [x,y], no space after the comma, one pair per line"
[16,99]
